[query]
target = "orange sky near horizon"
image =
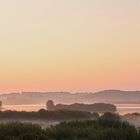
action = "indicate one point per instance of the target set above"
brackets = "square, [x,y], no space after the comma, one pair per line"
[69,45]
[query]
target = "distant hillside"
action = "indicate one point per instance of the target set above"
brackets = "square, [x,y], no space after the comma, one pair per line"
[106,96]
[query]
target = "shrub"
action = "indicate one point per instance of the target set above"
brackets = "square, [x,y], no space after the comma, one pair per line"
[19,131]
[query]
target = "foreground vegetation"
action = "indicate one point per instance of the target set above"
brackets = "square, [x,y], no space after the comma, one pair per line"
[107,127]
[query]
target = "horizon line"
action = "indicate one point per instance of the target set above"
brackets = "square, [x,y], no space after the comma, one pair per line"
[72,92]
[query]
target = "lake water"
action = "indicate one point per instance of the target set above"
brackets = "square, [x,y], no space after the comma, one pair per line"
[128,108]
[122,108]
[27,108]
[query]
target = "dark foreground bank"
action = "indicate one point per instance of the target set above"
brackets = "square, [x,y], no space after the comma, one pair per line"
[42,114]
[107,127]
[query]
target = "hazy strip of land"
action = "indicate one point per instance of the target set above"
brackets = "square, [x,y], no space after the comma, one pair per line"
[106,96]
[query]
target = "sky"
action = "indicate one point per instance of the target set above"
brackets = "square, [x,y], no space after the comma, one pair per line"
[69,45]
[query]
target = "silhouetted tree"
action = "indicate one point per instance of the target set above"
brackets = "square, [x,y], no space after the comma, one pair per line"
[50,105]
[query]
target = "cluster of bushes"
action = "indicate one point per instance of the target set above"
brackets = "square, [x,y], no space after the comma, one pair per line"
[49,115]
[21,131]
[107,127]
